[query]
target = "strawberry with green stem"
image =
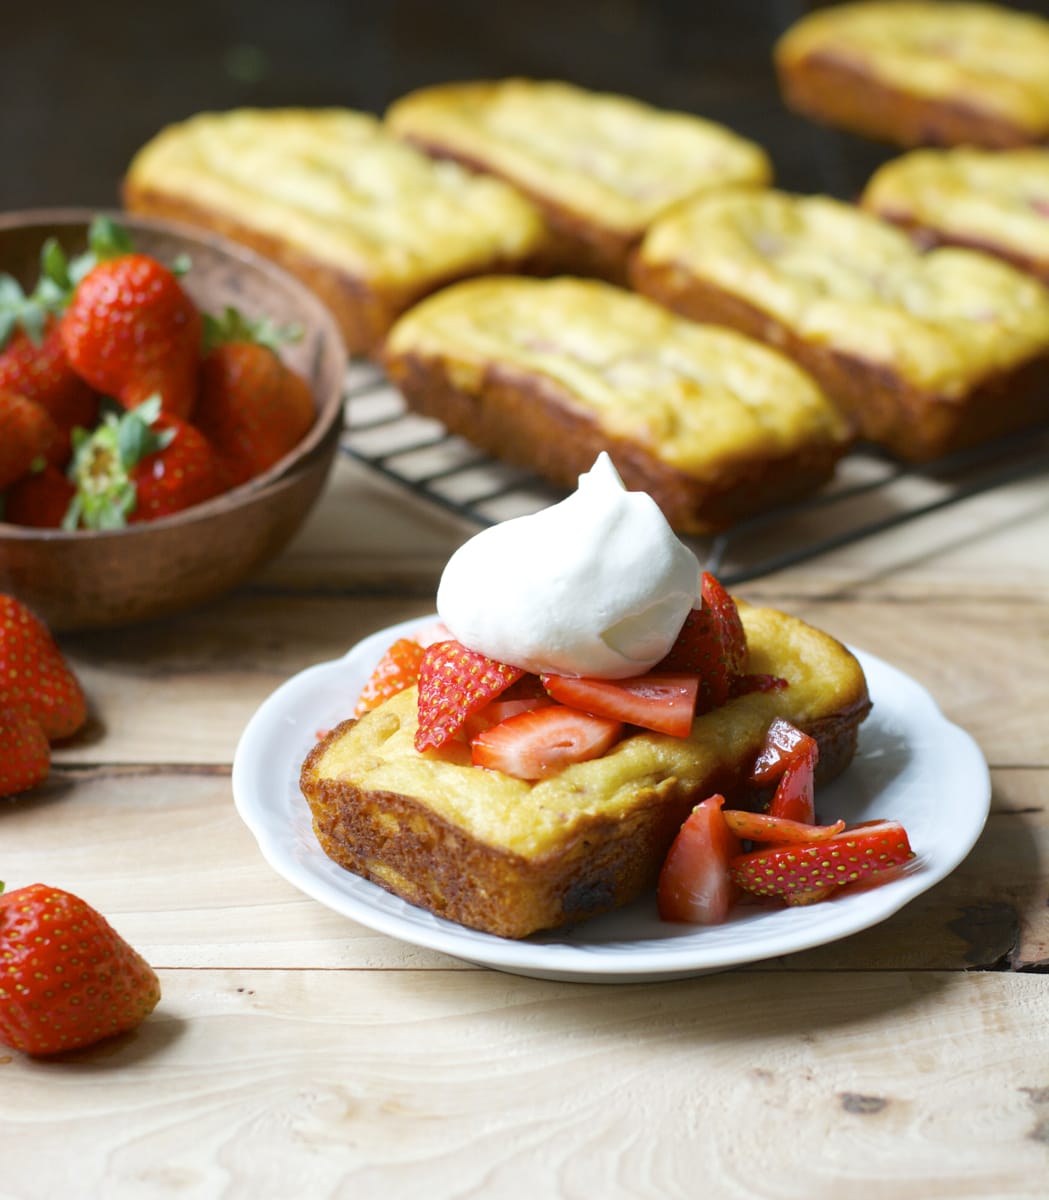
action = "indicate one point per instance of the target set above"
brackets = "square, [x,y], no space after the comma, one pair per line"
[251,406]
[138,466]
[131,331]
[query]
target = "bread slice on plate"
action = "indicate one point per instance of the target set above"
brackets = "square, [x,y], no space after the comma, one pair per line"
[511,857]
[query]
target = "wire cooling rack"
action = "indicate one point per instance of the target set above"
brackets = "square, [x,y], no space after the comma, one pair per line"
[870,493]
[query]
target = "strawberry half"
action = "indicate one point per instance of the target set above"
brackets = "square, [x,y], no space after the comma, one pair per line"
[785,744]
[664,703]
[710,644]
[800,873]
[543,741]
[396,670]
[795,796]
[695,885]
[455,683]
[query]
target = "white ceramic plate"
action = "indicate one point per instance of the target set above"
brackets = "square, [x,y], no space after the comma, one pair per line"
[913,765]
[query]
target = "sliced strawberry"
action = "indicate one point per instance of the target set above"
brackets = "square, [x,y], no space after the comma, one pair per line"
[396,670]
[698,651]
[795,796]
[784,744]
[665,703]
[503,708]
[455,683]
[695,884]
[778,831]
[795,873]
[742,685]
[728,624]
[543,741]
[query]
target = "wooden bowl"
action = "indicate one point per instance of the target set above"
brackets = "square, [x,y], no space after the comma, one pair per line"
[93,579]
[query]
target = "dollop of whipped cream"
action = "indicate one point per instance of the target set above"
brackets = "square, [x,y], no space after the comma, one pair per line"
[596,586]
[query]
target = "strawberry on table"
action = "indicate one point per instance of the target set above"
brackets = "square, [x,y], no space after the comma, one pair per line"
[810,871]
[396,670]
[69,978]
[251,407]
[543,741]
[40,499]
[664,703]
[141,465]
[28,436]
[34,675]
[695,885]
[132,332]
[455,683]
[25,753]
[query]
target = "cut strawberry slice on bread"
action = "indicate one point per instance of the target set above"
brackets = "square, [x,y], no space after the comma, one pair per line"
[396,670]
[454,684]
[542,741]
[664,703]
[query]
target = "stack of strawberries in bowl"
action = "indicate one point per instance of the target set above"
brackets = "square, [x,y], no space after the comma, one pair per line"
[152,377]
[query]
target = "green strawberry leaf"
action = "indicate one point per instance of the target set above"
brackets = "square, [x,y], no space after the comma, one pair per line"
[233,326]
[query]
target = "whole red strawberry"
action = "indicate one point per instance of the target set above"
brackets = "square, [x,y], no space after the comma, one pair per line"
[131,332]
[39,371]
[69,978]
[40,499]
[27,436]
[25,754]
[139,466]
[251,407]
[34,675]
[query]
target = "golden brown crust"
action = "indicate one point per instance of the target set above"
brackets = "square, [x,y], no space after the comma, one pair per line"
[917,425]
[835,91]
[607,827]
[528,420]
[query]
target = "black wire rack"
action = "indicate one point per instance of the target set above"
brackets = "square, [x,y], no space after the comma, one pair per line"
[871,493]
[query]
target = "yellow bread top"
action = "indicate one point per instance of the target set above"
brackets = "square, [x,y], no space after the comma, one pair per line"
[976,55]
[377,754]
[838,276]
[613,161]
[1000,198]
[694,395]
[337,186]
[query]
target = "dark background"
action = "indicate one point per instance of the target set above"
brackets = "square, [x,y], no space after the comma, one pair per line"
[82,86]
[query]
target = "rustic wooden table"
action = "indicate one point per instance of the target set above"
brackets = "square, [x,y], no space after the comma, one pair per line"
[296,1053]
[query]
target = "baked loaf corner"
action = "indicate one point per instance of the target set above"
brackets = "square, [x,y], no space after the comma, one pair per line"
[548,373]
[921,73]
[926,353]
[991,200]
[600,166]
[366,221]
[510,857]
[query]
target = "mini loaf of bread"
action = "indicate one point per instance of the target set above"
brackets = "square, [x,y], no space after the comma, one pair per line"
[921,73]
[927,353]
[548,373]
[511,857]
[993,200]
[368,222]
[602,167]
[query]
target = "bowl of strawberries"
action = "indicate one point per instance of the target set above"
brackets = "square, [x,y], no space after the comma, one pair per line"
[170,408]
